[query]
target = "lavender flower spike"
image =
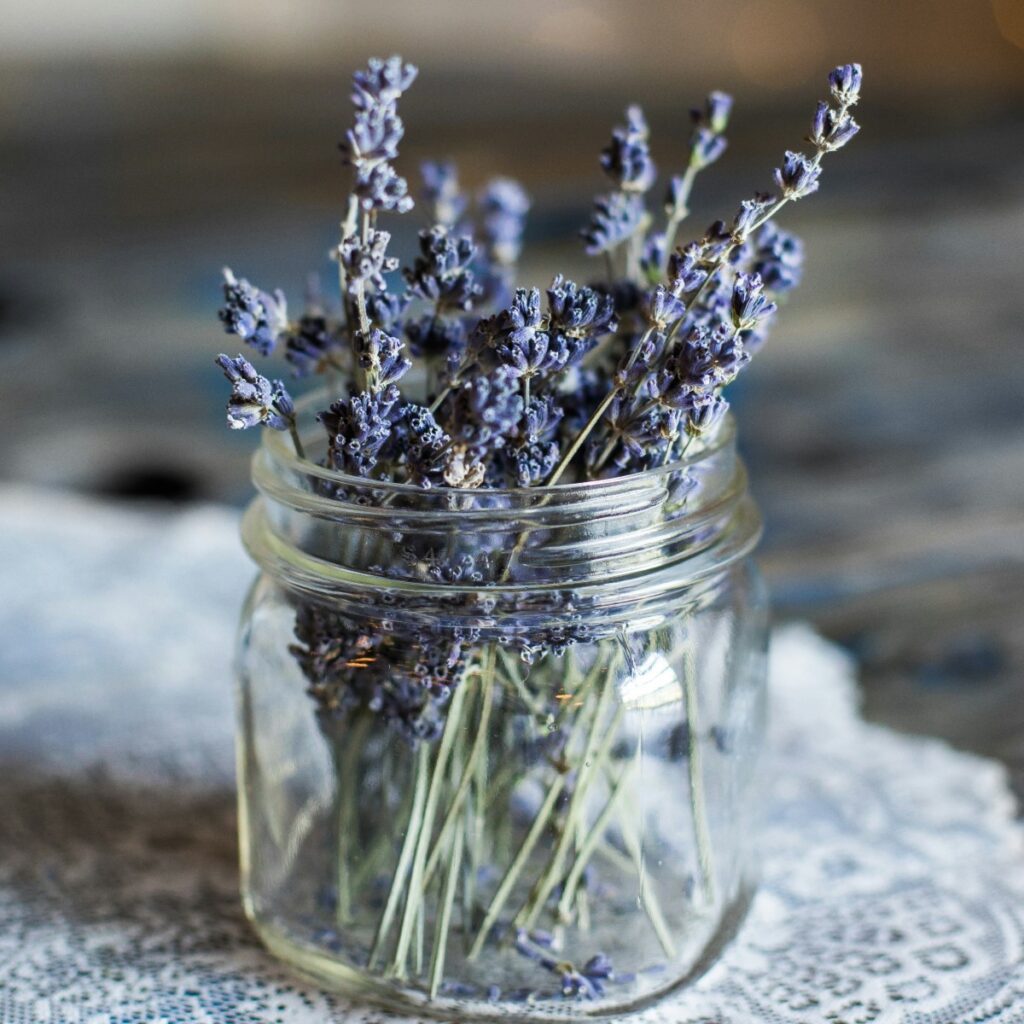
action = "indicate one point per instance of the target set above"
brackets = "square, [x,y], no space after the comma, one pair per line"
[255,400]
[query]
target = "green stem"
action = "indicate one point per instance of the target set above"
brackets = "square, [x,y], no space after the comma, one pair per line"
[346,765]
[593,836]
[511,876]
[592,759]
[405,856]
[443,922]
[698,803]
[417,883]
[296,440]
[647,897]
[487,689]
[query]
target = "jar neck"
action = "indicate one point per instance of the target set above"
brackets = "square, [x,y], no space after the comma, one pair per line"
[613,541]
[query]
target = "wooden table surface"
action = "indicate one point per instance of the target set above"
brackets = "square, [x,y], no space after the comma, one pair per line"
[884,426]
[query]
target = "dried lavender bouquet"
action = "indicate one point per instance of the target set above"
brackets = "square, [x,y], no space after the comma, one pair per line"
[447,378]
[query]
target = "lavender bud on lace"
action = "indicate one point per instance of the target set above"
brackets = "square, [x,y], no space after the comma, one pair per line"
[441,190]
[504,204]
[661,308]
[257,317]
[588,981]
[615,218]
[441,273]
[830,129]
[311,347]
[425,445]
[778,258]
[844,83]
[255,400]
[357,430]
[365,262]
[798,176]
[750,305]
[627,158]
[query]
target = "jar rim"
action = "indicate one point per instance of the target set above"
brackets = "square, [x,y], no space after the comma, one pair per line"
[277,444]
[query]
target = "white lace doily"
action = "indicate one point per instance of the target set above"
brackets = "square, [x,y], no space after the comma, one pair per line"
[893,870]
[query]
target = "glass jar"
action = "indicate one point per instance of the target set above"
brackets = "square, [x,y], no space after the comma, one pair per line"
[498,750]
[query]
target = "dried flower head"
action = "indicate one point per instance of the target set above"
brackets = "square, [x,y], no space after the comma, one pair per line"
[255,400]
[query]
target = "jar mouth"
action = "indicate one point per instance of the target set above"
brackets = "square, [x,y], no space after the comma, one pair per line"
[619,543]
[278,446]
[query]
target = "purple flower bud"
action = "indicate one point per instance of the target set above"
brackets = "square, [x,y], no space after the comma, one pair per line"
[257,317]
[357,430]
[425,445]
[706,412]
[312,347]
[441,273]
[627,158]
[830,130]
[381,354]
[504,205]
[661,308]
[750,212]
[255,400]
[684,270]
[798,176]
[749,303]
[715,115]
[778,258]
[441,190]
[382,82]
[365,262]
[615,218]
[380,187]
[844,82]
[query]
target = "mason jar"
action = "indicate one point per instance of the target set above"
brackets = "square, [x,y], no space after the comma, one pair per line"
[498,750]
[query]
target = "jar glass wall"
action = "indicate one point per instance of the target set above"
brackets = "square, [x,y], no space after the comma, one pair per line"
[498,751]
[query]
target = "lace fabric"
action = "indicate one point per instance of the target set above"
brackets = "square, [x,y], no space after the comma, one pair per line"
[893,868]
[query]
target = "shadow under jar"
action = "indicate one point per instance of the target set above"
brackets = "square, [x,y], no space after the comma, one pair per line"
[498,750]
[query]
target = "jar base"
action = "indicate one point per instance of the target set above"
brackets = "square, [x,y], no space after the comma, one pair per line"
[328,972]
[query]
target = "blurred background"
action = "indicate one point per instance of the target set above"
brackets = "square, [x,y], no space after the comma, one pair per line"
[144,145]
